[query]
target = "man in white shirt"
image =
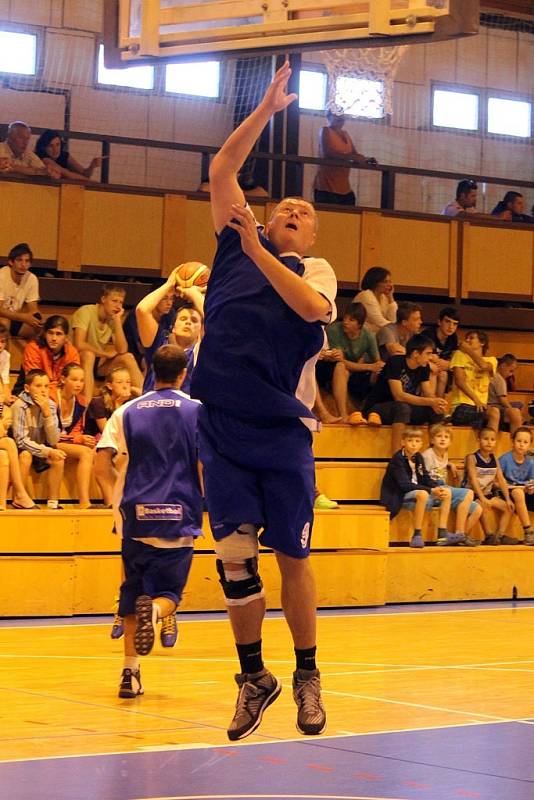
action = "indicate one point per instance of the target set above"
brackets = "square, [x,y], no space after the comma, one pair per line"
[19,294]
[16,157]
[466,200]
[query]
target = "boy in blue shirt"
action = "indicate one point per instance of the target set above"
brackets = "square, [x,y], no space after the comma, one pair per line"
[518,471]
[265,311]
[157,504]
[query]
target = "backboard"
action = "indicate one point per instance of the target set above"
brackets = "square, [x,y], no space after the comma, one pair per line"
[150,30]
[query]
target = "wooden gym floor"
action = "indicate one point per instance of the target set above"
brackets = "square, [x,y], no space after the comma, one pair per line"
[430,702]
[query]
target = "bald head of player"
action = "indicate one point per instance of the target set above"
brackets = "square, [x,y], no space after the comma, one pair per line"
[170,366]
[292,226]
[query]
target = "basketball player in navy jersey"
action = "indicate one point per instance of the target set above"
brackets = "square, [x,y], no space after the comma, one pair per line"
[265,310]
[157,503]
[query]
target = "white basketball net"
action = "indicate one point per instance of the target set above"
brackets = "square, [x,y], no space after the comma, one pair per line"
[374,68]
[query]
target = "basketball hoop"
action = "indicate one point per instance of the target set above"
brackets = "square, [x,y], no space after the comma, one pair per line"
[371,94]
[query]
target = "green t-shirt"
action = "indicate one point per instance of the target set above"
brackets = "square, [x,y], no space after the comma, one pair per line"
[353,349]
[98,334]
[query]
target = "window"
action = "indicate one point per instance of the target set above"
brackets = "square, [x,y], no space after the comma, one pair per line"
[509,117]
[200,78]
[360,97]
[455,109]
[132,77]
[312,90]
[18,52]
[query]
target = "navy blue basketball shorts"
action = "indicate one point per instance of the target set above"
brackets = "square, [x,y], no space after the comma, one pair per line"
[155,571]
[259,472]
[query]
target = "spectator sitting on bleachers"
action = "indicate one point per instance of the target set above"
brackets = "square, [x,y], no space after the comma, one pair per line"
[392,338]
[518,470]
[36,433]
[16,157]
[403,394]
[99,337]
[407,484]
[445,341]
[10,467]
[189,328]
[116,391]
[484,476]
[513,203]
[350,362]
[19,294]
[498,392]
[52,151]
[465,202]
[77,445]
[376,294]
[436,458]
[5,366]
[472,375]
[50,353]
[155,317]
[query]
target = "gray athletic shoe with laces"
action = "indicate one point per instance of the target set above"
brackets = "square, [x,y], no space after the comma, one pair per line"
[311,716]
[256,692]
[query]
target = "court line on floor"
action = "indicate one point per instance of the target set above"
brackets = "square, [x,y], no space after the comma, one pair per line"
[489,665]
[268,740]
[492,717]
[387,611]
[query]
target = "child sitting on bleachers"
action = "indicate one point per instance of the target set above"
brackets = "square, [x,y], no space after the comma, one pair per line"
[436,459]
[76,444]
[10,468]
[116,391]
[5,365]
[484,476]
[518,470]
[36,433]
[407,484]
[498,392]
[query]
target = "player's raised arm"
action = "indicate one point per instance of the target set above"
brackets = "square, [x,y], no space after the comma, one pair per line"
[225,166]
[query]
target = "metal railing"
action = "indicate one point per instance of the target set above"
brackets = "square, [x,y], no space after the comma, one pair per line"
[292,182]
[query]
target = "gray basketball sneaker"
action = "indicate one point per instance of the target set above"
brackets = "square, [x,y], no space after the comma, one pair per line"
[311,716]
[256,693]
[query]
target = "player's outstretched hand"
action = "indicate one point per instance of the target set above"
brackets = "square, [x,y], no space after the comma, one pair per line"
[276,97]
[244,223]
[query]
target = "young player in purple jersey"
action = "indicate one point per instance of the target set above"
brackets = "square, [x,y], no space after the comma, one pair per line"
[265,311]
[157,503]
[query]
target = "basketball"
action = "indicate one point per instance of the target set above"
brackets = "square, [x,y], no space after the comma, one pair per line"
[192,273]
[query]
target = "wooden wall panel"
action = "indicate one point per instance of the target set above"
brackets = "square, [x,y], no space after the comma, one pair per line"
[122,230]
[338,240]
[497,260]
[70,233]
[417,251]
[29,214]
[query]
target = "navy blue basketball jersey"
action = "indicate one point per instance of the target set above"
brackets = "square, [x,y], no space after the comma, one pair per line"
[158,491]
[255,346]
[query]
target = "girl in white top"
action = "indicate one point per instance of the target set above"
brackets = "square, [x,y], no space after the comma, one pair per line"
[376,295]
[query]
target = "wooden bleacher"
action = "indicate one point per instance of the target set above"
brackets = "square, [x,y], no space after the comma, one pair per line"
[71,561]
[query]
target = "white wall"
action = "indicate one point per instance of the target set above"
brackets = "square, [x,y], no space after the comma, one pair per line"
[71,30]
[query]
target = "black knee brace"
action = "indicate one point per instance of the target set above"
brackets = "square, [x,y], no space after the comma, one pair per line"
[247,587]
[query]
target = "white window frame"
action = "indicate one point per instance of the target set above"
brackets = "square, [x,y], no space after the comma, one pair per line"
[496,95]
[121,86]
[312,69]
[192,65]
[467,90]
[18,30]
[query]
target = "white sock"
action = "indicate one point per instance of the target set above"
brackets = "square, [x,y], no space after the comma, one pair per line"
[131,662]
[52,503]
[156,613]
